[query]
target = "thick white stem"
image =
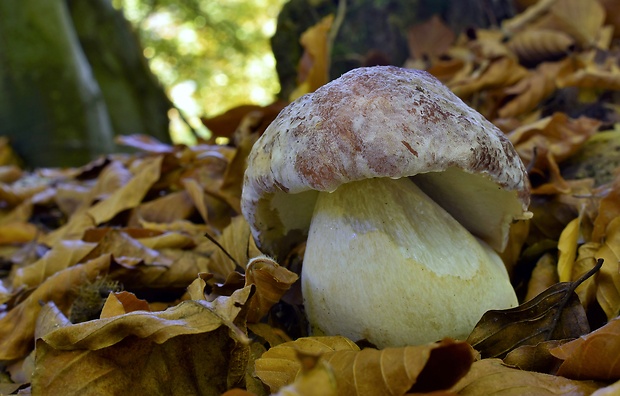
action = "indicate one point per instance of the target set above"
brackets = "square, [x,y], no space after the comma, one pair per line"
[386,263]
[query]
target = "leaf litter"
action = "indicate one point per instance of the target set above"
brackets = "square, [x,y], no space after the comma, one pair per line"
[194,318]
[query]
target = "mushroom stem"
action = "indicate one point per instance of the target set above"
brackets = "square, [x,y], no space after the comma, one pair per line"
[385,263]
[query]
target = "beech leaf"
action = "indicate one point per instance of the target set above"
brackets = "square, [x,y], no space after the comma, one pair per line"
[491,377]
[393,371]
[593,356]
[554,314]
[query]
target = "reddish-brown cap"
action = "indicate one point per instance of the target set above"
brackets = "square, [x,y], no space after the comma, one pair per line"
[382,121]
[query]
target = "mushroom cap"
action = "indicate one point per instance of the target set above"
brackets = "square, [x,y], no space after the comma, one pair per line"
[382,121]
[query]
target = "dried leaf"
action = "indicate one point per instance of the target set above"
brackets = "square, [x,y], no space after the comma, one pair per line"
[537,45]
[279,366]
[189,317]
[17,232]
[392,371]
[609,209]
[592,71]
[491,377]
[594,356]
[555,314]
[543,276]
[608,280]
[167,209]
[530,91]
[582,19]
[535,357]
[318,380]
[131,194]
[549,141]
[271,281]
[429,39]
[567,247]
[503,72]
[120,303]
[314,64]
[237,241]
[18,325]
[62,255]
[423,368]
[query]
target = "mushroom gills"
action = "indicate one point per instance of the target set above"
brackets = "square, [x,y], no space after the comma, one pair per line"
[385,263]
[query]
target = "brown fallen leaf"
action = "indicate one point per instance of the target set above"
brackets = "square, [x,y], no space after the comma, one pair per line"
[18,325]
[120,303]
[582,19]
[499,73]
[271,281]
[533,46]
[593,356]
[555,314]
[393,371]
[535,357]
[279,366]
[492,377]
[191,348]
[528,92]
[237,247]
[62,255]
[430,39]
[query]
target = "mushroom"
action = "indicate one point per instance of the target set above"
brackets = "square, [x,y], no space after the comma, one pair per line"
[404,194]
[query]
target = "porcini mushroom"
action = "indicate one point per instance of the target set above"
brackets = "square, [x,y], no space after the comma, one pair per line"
[405,195]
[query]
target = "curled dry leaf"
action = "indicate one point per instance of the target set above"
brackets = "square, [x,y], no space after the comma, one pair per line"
[271,281]
[192,348]
[492,377]
[119,303]
[535,46]
[593,356]
[502,72]
[555,314]
[393,371]
[193,317]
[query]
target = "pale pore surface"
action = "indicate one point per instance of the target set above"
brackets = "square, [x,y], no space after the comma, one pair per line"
[386,263]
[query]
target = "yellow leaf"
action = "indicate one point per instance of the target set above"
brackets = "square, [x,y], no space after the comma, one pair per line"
[567,246]
[314,64]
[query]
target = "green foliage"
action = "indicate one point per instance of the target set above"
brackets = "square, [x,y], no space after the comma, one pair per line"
[215,51]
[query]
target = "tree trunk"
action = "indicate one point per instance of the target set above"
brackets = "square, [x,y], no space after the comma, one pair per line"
[136,101]
[51,106]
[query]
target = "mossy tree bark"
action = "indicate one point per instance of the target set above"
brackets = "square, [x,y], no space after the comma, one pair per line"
[52,106]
